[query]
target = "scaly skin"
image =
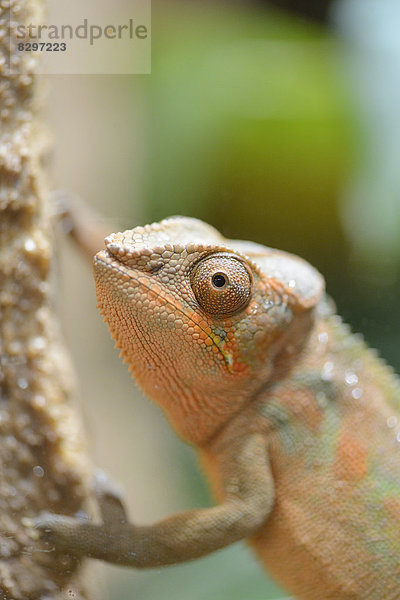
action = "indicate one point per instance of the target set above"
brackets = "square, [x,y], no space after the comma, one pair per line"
[296,421]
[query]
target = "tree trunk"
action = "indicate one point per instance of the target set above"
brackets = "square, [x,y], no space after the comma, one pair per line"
[43,463]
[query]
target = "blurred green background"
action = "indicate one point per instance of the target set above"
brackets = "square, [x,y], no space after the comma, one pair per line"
[255,120]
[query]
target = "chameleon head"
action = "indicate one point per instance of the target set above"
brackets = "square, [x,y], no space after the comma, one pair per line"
[203,322]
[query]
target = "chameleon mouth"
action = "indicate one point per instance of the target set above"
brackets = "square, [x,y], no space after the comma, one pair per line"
[104,262]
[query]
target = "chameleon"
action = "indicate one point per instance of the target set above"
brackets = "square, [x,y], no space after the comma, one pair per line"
[295,420]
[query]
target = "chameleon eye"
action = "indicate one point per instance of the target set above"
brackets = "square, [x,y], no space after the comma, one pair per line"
[221,284]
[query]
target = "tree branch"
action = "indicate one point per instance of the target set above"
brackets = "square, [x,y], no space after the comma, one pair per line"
[43,464]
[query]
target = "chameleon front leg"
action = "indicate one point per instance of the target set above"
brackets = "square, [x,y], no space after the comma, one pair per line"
[248,488]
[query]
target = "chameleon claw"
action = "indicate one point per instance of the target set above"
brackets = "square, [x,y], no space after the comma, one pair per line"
[29,524]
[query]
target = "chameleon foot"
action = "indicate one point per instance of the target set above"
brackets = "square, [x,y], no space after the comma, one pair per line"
[78,535]
[61,532]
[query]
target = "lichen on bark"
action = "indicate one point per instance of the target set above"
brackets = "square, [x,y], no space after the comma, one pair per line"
[43,463]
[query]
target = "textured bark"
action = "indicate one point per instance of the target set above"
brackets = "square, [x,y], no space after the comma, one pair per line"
[43,464]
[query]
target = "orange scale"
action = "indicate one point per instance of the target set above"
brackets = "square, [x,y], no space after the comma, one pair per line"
[351,459]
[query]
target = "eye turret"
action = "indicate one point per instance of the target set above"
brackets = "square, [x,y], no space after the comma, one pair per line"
[222,284]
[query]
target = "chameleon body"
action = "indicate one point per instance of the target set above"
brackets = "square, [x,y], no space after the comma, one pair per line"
[296,421]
